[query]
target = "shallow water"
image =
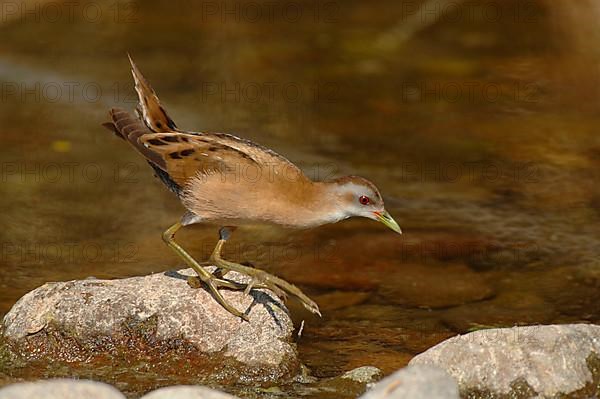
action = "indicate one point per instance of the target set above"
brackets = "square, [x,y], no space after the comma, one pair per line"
[479,129]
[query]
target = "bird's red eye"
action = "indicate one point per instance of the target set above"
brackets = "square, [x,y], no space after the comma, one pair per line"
[364,200]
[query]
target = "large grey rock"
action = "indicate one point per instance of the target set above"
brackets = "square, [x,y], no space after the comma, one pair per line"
[61,388]
[524,362]
[415,382]
[157,314]
[187,392]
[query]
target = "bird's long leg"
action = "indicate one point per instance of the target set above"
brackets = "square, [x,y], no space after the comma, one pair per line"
[209,279]
[262,278]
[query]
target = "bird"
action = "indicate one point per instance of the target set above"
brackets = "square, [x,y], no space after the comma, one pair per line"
[209,173]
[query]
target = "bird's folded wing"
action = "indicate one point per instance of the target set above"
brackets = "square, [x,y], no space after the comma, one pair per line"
[187,155]
[181,155]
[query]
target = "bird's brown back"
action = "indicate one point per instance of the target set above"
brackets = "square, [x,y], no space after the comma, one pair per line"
[211,172]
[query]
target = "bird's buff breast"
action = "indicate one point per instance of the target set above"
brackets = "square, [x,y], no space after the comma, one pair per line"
[219,201]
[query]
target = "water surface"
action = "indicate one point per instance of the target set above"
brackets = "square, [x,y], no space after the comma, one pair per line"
[481,134]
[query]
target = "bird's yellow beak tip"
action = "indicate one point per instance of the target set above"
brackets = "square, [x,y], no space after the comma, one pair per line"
[385,218]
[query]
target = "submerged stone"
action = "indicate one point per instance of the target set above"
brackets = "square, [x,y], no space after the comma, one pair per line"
[435,286]
[364,374]
[157,321]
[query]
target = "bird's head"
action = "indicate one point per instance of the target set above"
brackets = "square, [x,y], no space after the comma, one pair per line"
[356,196]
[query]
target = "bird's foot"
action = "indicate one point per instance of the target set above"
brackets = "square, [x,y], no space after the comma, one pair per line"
[262,279]
[213,283]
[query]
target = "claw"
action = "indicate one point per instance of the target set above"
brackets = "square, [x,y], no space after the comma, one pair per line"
[313,308]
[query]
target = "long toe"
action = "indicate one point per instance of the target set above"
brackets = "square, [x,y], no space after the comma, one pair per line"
[261,278]
[248,288]
[312,307]
[212,284]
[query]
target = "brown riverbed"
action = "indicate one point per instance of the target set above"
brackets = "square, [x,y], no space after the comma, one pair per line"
[479,128]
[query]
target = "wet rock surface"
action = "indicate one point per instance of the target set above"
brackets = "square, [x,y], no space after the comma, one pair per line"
[522,362]
[157,320]
[415,382]
[364,374]
[349,385]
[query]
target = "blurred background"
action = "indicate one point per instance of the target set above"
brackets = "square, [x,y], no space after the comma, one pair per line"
[476,119]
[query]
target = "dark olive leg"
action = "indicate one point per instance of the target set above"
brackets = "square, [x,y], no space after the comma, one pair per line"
[209,279]
[259,277]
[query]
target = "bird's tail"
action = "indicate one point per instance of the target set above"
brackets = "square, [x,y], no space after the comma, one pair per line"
[149,108]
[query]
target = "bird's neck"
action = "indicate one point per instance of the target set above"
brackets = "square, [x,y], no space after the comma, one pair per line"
[322,204]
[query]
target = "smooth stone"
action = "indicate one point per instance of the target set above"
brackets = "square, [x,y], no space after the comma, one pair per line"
[61,388]
[415,382]
[549,361]
[158,313]
[187,392]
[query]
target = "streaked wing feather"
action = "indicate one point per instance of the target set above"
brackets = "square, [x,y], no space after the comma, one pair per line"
[131,128]
[149,107]
[187,155]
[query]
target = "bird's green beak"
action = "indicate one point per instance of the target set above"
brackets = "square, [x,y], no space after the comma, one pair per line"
[385,218]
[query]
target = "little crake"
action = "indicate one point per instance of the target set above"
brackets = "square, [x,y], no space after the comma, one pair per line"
[204,170]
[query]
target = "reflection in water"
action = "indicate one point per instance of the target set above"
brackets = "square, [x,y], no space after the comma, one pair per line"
[481,130]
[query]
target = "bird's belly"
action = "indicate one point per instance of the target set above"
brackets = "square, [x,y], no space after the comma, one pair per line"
[255,218]
[251,213]
[249,203]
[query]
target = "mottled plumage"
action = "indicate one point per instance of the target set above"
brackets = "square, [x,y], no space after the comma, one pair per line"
[227,180]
